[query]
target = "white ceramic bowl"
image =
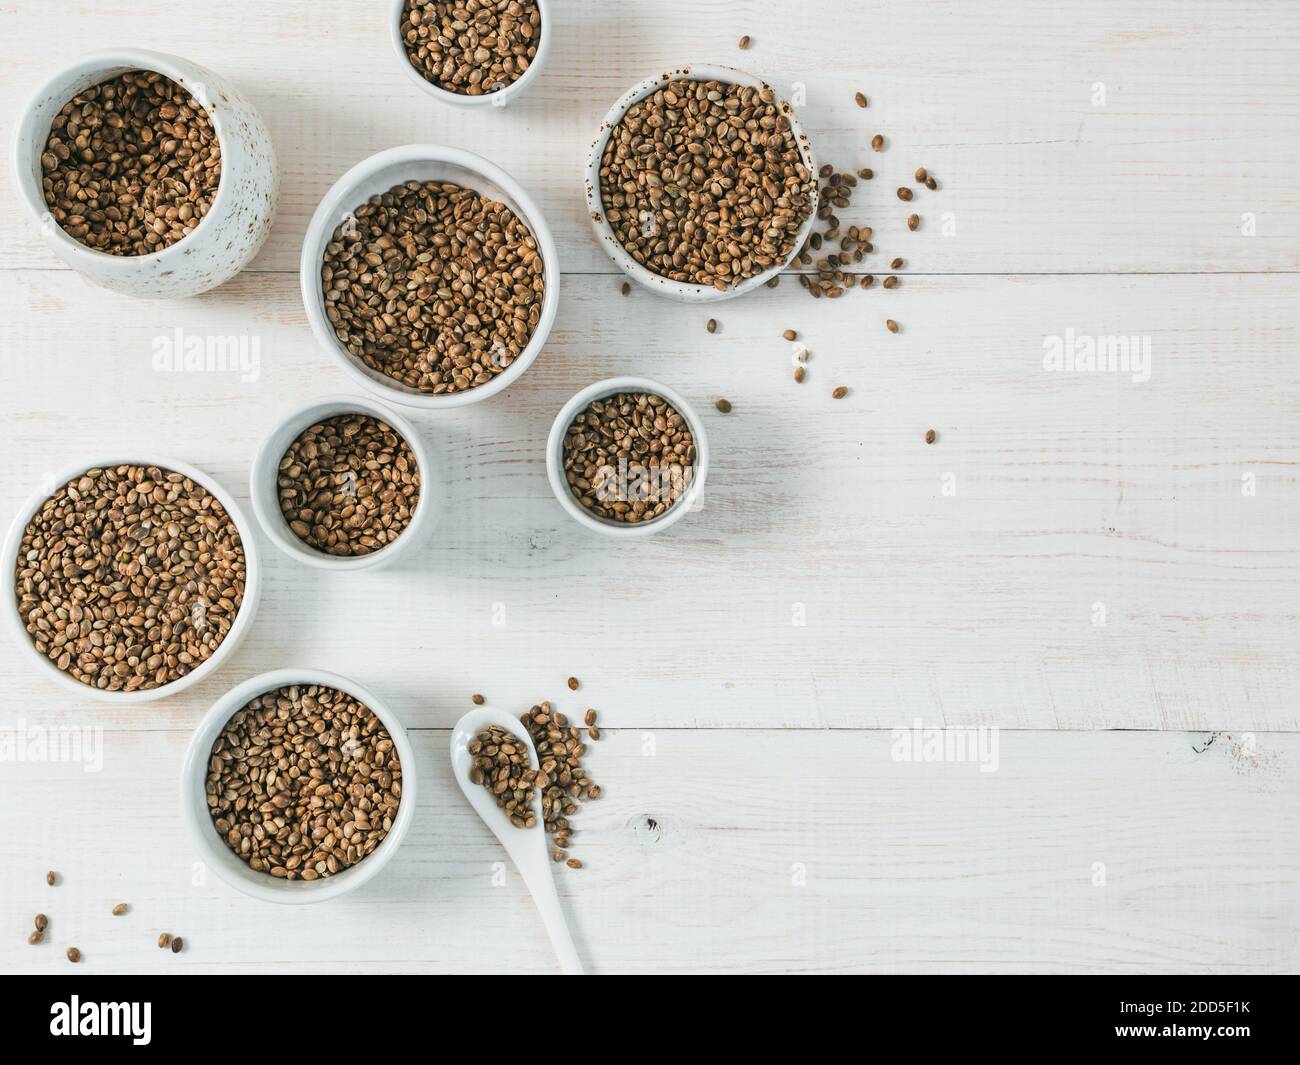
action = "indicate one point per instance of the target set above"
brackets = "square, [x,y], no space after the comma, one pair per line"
[680,290]
[266,498]
[235,226]
[501,97]
[378,174]
[213,849]
[243,619]
[555,458]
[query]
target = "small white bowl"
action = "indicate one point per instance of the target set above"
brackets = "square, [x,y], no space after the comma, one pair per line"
[243,619]
[233,229]
[264,491]
[378,174]
[501,97]
[204,835]
[555,458]
[680,290]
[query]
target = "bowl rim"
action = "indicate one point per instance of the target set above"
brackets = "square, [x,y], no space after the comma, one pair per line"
[498,99]
[199,825]
[343,192]
[103,65]
[608,240]
[555,456]
[243,617]
[265,465]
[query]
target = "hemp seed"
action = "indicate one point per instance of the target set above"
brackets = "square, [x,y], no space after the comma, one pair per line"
[303,782]
[348,485]
[693,152]
[629,457]
[131,165]
[471,47]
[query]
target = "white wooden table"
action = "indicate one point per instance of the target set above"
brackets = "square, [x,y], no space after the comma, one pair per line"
[1107,169]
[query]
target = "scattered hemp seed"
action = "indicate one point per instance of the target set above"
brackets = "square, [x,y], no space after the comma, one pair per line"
[573,684]
[920,175]
[930,436]
[866,173]
[868,280]
[840,392]
[930,183]
[723,405]
[74,955]
[860,99]
[743,43]
[891,325]
[178,944]
[42,922]
[120,909]
[574,863]
[476,699]
[627,289]
[594,733]
[896,263]
[904,193]
[891,281]
[877,142]
[35,936]
[790,334]
[590,717]
[799,374]
[913,220]
[51,878]
[711,325]
[164,940]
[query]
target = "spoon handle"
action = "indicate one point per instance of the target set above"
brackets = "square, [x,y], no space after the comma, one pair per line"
[541,883]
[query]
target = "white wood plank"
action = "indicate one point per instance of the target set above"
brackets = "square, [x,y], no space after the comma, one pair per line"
[693,859]
[997,99]
[1071,490]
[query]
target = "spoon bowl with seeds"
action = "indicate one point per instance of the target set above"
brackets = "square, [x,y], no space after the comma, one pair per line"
[527,847]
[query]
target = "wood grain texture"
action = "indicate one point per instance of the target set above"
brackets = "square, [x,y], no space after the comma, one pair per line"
[1197,128]
[1071,490]
[734,851]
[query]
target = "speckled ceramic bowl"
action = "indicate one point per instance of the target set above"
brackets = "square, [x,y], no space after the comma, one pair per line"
[664,286]
[235,226]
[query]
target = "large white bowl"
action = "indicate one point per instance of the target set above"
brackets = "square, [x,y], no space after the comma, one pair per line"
[555,458]
[501,97]
[680,290]
[204,835]
[233,229]
[264,490]
[378,174]
[243,619]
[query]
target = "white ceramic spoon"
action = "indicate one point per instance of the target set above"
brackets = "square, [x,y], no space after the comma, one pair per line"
[527,847]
